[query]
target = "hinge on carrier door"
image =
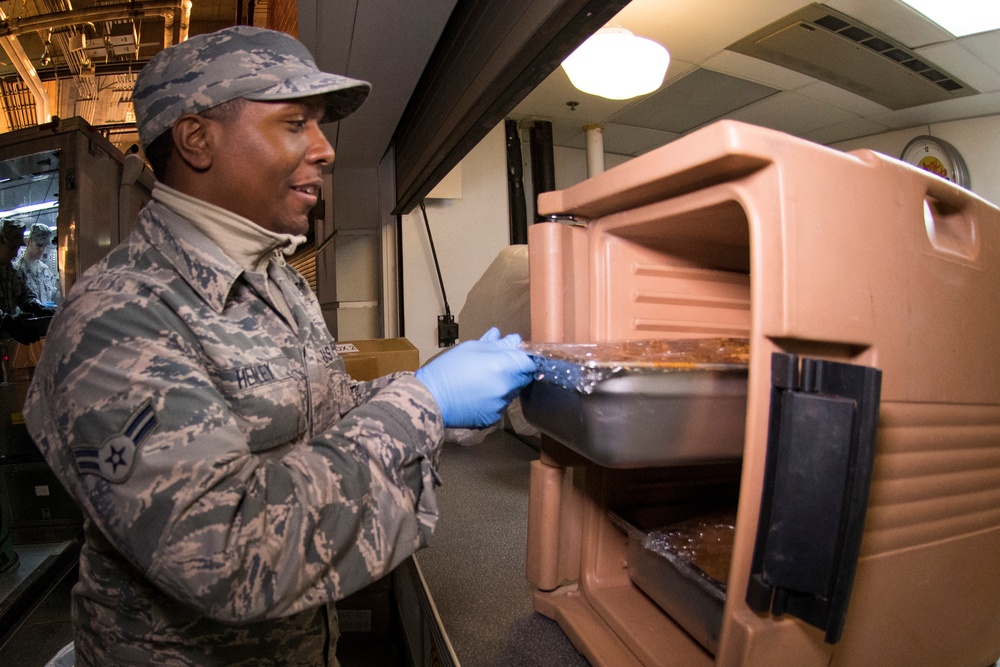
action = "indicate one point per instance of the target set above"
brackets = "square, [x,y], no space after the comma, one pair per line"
[820,449]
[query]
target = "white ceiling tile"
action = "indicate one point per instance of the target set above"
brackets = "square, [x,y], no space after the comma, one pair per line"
[896,120]
[894,19]
[888,143]
[848,129]
[695,30]
[625,140]
[985,46]
[693,100]
[938,112]
[959,62]
[567,134]
[840,98]
[754,69]
[677,69]
[791,112]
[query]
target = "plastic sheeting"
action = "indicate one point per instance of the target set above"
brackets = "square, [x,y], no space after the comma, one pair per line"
[500,298]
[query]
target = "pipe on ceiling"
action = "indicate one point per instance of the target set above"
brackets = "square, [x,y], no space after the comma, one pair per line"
[595,150]
[121,11]
[182,32]
[19,59]
[184,9]
[168,30]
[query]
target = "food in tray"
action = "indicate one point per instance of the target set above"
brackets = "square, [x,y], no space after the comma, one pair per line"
[674,353]
[581,366]
[704,542]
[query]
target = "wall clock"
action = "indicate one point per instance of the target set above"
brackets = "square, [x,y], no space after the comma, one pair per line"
[938,157]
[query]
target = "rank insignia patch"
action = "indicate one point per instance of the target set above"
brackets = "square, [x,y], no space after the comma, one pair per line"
[114,459]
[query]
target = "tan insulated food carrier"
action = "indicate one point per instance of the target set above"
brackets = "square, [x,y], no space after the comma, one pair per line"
[832,497]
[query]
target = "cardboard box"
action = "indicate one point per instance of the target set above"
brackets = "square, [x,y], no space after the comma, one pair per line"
[370,359]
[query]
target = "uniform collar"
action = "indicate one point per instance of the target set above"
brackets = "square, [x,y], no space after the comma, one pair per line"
[200,263]
[247,243]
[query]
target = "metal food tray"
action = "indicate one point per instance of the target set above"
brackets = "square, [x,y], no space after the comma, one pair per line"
[693,599]
[638,413]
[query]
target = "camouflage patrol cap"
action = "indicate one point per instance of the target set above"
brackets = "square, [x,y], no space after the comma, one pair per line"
[241,61]
[40,234]
[12,231]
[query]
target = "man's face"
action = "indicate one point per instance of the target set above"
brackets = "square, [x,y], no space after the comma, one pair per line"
[33,251]
[268,163]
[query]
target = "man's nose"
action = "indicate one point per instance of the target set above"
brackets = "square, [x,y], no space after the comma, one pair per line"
[320,150]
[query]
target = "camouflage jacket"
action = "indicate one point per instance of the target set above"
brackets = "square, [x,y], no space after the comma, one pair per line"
[234,480]
[39,278]
[15,294]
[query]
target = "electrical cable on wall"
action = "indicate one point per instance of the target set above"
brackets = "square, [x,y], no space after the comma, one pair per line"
[447,326]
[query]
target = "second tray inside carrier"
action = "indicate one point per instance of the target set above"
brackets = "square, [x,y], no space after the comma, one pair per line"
[682,564]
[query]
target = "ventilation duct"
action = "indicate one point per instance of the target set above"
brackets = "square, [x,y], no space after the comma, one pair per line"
[841,51]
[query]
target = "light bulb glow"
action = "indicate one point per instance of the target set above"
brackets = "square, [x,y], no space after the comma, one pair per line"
[615,64]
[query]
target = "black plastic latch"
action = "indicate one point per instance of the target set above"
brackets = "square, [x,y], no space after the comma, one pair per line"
[820,449]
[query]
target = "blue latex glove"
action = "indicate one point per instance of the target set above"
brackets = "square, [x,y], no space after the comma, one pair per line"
[475,382]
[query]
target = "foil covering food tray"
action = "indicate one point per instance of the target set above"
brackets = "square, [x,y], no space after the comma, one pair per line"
[642,403]
[667,565]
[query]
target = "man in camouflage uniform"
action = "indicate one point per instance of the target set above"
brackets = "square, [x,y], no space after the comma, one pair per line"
[235,481]
[34,268]
[18,304]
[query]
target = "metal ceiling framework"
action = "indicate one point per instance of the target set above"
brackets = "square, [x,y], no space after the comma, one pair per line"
[86,58]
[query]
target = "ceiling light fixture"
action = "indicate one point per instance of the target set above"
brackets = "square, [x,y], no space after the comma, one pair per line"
[960,17]
[615,64]
[29,208]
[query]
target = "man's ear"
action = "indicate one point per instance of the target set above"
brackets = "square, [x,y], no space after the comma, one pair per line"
[192,142]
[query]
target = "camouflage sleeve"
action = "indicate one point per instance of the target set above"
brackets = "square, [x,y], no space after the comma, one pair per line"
[26,298]
[364,391]
[236,535]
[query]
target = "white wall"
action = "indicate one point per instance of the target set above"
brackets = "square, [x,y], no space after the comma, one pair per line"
[468,234]
[977,139]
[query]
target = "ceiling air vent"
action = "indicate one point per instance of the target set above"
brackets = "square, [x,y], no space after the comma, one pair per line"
[835,48]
